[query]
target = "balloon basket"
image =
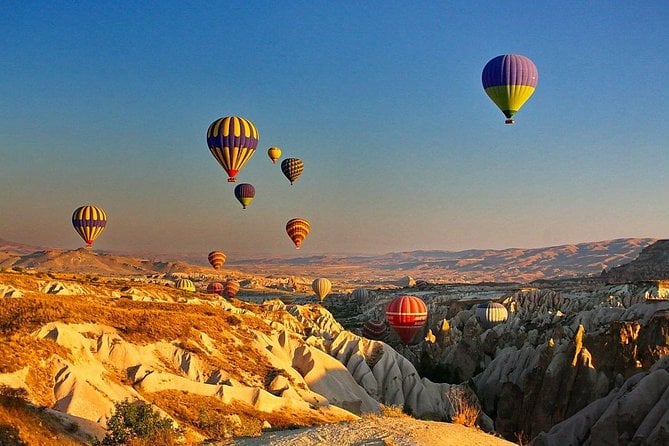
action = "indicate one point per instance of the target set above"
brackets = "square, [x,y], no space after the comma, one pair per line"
[508,121]
[232,180]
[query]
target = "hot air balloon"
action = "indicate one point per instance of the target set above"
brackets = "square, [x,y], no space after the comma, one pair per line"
[215,288]
[321,287]
[185,284]
[297,229]
[510,80]
[244,193]
[274,154]
[372,329]
[232,140]
[217,259]
[231,287]
[360,294]
[489,314]
[406,315]
[89,222]
[292,168]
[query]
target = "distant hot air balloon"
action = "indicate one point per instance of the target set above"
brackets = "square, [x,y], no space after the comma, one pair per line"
[217,259]
[274,154]
[510,80]
[231,287]
[215,288]
[185,284]
[375,330]
[321,287]
[360,294]
[297,229]
[489,314]
[244,193]
[233,141]
[89,222]
[292,168]
[406,315]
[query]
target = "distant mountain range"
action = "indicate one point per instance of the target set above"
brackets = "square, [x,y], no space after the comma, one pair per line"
[506,265]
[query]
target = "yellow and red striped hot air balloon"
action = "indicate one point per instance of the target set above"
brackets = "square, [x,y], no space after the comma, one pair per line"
[274,154]
[89,222]
[321,287]
[233,141]
[216,259]
[297,229]
[230,288]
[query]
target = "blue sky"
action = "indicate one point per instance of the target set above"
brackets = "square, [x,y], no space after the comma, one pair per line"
[108,104]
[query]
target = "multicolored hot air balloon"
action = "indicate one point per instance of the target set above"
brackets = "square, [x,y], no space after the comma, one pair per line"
[216,259]
[292,168]
[297,229]
[185,284]
[231,287]
[360,294]
[244,193]
[510,80]
[489,314]
[89,222]
[406,315]
[321,287]
[233,141]
[375,330]
[215,288]
[274,154]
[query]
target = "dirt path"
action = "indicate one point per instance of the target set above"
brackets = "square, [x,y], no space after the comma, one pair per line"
[378,431]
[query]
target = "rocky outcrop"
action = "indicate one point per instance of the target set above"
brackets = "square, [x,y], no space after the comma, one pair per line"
[637,413]
[651,264]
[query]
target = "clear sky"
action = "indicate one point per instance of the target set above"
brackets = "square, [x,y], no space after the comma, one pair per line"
[108,103]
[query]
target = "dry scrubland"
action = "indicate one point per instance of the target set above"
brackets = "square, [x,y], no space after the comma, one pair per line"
[192,339]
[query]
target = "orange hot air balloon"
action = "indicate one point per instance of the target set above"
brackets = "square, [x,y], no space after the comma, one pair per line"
[406,315]
[321,287]
[274,154]
[215,288]
[297,229]
[217,259]
[230,288]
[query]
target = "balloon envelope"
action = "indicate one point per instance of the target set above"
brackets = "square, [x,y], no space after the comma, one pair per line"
[89,222]
[233,141]
[231,287]
[360,294]
[406,315]
[185,284]
[297,229]
[274,154]
[489,314]
[292,168]
[321,287]
[374,329]
[509,80]
[245,193]
[215,288]
[216,259]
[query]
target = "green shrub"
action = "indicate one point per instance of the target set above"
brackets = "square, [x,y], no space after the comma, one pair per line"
[136,422]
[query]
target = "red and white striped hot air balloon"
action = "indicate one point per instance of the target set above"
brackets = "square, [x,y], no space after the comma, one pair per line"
[406,315]
[215,288]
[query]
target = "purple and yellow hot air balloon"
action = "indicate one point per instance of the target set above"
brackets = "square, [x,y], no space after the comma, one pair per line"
[89,222]
[297,229]
[509,80]
[233,141]
[244,193]
[274,154]
[292,168]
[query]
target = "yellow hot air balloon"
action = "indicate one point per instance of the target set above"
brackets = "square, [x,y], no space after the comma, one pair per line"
[89,222]
[185,284]
[274,154]
[297,229]
[321,287]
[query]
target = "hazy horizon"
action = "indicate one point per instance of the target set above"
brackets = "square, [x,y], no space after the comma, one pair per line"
[109,104]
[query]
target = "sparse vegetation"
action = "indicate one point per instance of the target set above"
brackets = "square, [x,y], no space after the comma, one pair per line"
[135,423]
[466,409]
